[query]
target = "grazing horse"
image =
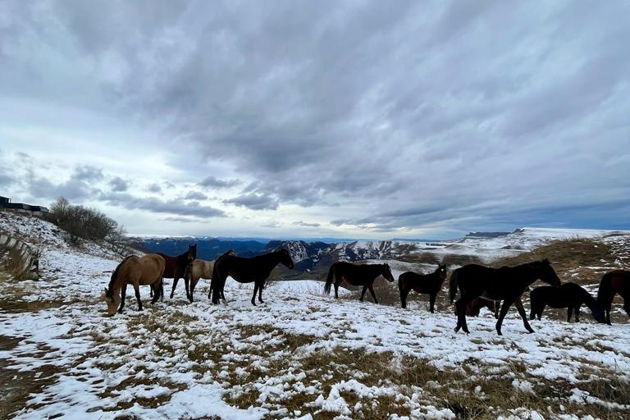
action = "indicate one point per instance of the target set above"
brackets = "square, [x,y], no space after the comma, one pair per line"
[614,282]
[246,270]
[505,283]
[475,305]
[422,283]
[357,275]
[176,268]
[201,269]
[137,271]
[569,295]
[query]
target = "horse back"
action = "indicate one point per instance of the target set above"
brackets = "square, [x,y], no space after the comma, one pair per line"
[202,269]
[151,267]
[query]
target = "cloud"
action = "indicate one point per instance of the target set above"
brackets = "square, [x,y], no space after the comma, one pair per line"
[154,188]
[214,182]
[254,202]
[195,195]
[376,116]
[118,184]
[305,224]
[161,206]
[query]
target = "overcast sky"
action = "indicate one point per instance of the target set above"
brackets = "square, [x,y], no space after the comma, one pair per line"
[366,119]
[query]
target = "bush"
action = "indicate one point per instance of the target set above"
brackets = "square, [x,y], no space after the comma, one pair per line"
[84,223]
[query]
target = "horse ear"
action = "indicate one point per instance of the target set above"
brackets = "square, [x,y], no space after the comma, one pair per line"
[546,261]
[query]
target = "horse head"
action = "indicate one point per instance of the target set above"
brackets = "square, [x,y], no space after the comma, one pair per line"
[547,273]
[387,273]
[285,258]
[111,301]
[598,313]
[192,252]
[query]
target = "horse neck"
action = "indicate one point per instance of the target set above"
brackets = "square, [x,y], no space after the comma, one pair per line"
[529,275]
[269,260]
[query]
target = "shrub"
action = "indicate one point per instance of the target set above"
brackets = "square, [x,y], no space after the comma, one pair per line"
[84,223]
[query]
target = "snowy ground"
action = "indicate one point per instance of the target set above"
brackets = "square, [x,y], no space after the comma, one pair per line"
[300,355]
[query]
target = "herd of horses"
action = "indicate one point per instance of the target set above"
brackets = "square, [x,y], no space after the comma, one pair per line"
[478,286]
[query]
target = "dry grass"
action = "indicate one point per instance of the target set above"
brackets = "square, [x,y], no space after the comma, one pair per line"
[582,261]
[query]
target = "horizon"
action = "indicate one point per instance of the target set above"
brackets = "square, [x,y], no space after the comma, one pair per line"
[357,120]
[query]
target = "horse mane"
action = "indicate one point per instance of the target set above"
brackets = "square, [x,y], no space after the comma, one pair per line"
[110,291]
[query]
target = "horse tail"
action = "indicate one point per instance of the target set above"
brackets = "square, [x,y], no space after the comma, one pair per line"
[115,274]
[452,286]
[329,278]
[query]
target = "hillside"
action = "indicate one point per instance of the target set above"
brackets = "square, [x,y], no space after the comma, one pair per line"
[301,354]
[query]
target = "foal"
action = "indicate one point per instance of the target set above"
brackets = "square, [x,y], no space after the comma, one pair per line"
[357,275]
[422,283]
[569,295]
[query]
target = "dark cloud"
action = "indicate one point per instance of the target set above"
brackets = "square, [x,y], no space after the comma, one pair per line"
[161,206]
[214,182]
[154,188]
[255,201]
[118,184]
[195,195]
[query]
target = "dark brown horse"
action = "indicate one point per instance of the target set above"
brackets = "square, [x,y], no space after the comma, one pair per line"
[357,275]
[614,282]
[422,283]
[136,271]
[246,270]
[176,268]
[505,283]
[475,305]
[569,295]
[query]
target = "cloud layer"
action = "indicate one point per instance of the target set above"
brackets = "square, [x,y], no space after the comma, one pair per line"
[357,118]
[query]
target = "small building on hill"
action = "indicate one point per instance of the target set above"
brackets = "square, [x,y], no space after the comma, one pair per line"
[5,203]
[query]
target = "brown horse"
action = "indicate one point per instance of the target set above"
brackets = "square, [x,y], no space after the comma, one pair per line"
[505,283]
[136,271]
[202,269]
[176,268]
[614,282]
[357,275]
[422,283]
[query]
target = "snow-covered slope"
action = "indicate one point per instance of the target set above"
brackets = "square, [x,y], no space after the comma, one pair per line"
[301,354]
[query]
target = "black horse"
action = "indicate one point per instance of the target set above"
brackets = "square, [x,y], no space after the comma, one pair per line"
[569,295]
[614,282]
[429,284]
[246,270]
[178,267]
[357,275]
[505,283]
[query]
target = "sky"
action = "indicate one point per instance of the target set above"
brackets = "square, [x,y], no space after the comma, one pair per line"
[353,119]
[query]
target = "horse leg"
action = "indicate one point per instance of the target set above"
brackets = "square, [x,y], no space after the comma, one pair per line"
[260,289]
[569,313]
[372,292]
[336,290]
[136,287]
[504,309]
[577,313]
[432,302]
[123,293]
[521,311]
[175,280]
[497,307]
[158,287]
[187,286]
[460,308]
[255,291]
[363,293]
[403,297]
